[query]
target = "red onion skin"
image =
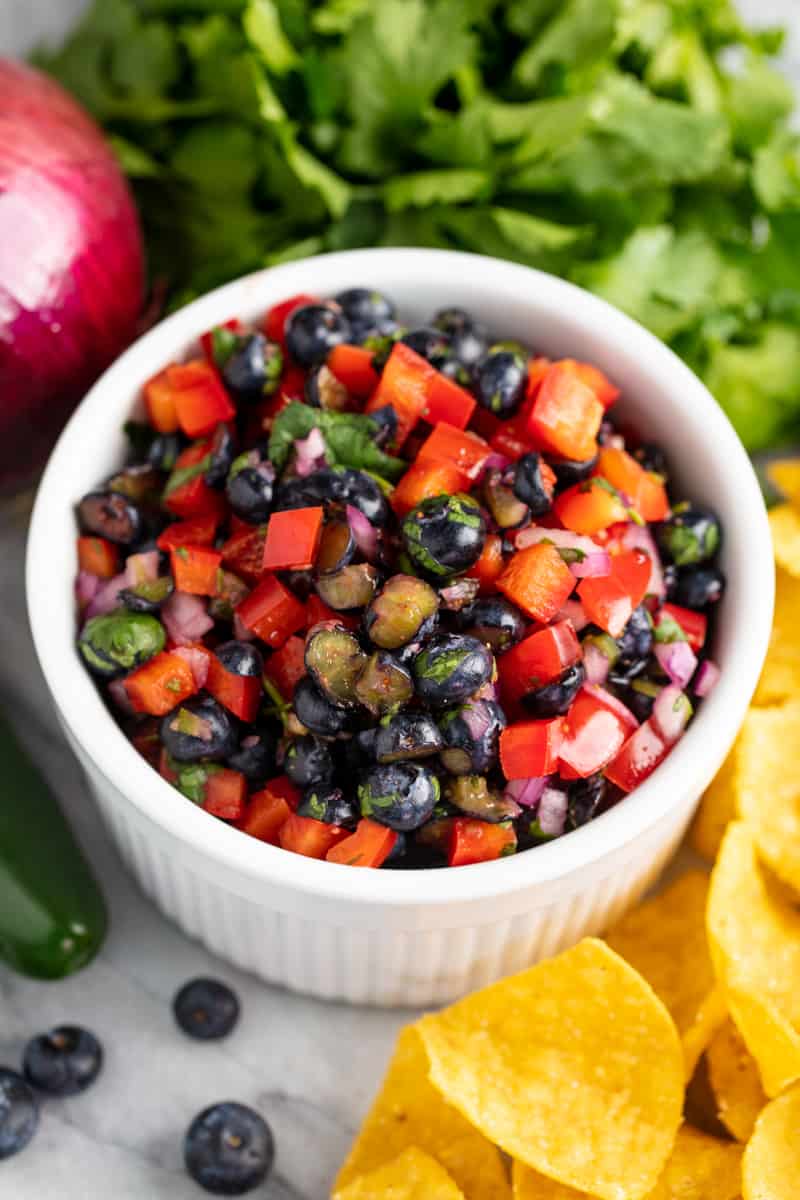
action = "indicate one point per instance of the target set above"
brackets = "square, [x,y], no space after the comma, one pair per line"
[71,264]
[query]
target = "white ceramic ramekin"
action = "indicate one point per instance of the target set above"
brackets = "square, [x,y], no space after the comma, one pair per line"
[385,937]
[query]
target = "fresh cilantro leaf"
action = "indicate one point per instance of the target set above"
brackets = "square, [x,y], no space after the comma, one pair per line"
[349,439]
[262,25]
[425,188]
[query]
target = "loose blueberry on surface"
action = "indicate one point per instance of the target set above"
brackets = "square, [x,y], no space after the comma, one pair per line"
[63,1062]
[199,729]
[206,1009]
[554,699]
[444,535]
[19,1113]
[695,586]
[229,1149]
[691,535]
[312,332]
[451,668]
[307,760]
[401,795]
[365,307]
[500,382]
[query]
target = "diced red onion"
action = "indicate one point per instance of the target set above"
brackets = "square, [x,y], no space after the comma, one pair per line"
[707,677]
[527,792]
[364,532]
[116,690]
[185,618]
[477,718]
[595,663]
[611,702]
[552,811]
[671,713]
[87,585]
[142,568]
[309,453]
[240,630]
[494,462]
[639,537]
[597,563]
[107,598]
[678,660]
[572,611]
[197,660]
[594,559]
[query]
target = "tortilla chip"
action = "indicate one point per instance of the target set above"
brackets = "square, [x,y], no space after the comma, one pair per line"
[665,940]
[754,935]
[784,521]
[717,809]
[699,1168]
[784,475]
[735,1082]
[408,1111]
[768,786]
[574,1067]
[780,677]
[413,1175]
[771,1163]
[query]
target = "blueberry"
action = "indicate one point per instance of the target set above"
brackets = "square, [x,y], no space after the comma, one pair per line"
[493,620]
[695,586]
[111,515]
[652,458]
[308,760]
[323,390]
[313,331]
[407,735]
[530,486]
[254,368]
[164,450]
[468,339]
[249,487]
[470,734]
[401,795]
[584,798]
[223,452]
[444,535]
[198,729]
[430,344]
[255,756]
[329,804]
[241,658]
[554,698]
[316,712]
[691,535]
[19,1113]
[365,307]
[635,645]
[386,422]
[228,1149]
[63,1062]
[569,471]
[451,668]
[500,381]
[206,1009]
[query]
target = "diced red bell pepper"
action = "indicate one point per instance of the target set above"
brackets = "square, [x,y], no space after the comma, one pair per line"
[197,532]
[240,694]
[531,748]
[638,758]
[159,401]
[473,841]
[292,539]
[317,611]
[226,794]
[287,666]
[485,423]
[513,438]
[594,733]
[369,846]
[537,369]
[265,816]
[589,507]
[292,386]
[448,401]
[566,415]
[194,569]
[187,494]
[609,600]
[207,338]
[352,366]
[244,552]
[647,493]
[272,612]
[593,377]
[404,385]
[537,660]
[160,684]
[425,479]
[538,581]
[278,315]
[490,564]
[632,569]
[201,401]
[694,624]
[447,443]
[314,839]
[98,556]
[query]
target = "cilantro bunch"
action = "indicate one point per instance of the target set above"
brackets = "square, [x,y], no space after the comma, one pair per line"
[641,148]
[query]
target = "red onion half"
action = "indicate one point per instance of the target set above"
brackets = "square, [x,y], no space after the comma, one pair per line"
[71,264]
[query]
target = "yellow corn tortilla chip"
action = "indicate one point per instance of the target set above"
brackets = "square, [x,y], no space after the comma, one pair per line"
[717,809]
[784,474]
[699,1168]
[413,1175]
[754,935]
[781,672]
[574,1067]
[735,1082]
[408,1111]
[768,786]
[784,521]
[771,1163]
[665,940]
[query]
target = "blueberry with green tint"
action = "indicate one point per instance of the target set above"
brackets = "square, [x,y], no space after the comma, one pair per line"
[691,535]
[500,380]
[249,487]
[505,508]
[334,660]
[451,668]
[63,1062]
[584,799]
[406,736]
[495,621]
[401,795]
[223,453]
[554,699]
[529,485]
[149,596]
[350,587]
[228,1149]
[471,795]
[444,535]
[199,729]
[254,368]
[111,515]
[470,737]
[114,644]
[384,685]
[307,760]
[695,586]
[316,712]
[329,804]
[634,647]
[365,308]
[403,611]
[312,331]
[19,1113]
[255,756]
[206,1009]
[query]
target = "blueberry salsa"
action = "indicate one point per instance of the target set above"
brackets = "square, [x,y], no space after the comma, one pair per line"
[394,597]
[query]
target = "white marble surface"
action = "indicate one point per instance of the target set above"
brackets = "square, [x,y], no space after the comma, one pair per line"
[310,1068]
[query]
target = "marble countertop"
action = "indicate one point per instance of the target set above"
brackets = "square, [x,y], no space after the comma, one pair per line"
[310,1068]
